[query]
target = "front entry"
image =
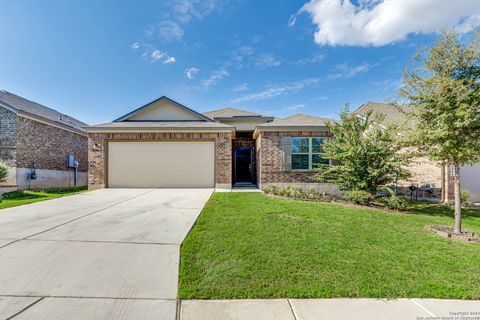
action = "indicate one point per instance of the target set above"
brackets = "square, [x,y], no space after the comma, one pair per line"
[244,166]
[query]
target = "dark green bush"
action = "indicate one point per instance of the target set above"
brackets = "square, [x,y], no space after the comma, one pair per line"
[394,202]
[359,197]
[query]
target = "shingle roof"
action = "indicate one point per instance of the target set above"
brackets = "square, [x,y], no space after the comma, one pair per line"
[230,112]
[161,126]
[23,106]
[298,120]
[394,114]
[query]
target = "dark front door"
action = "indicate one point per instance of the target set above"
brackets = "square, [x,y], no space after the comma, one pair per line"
[244,165]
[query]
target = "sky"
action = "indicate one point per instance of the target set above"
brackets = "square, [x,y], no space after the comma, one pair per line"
[97,60]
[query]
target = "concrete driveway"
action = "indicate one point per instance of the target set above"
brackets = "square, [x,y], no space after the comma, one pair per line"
[106,254]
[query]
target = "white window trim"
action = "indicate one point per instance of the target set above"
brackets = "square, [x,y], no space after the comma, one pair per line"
[310,154]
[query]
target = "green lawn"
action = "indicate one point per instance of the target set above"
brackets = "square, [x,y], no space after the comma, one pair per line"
[248,245]
[18,198]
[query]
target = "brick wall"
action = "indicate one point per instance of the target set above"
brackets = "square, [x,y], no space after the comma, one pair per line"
[97,143]
[270,167]
[48,146]
[8,135]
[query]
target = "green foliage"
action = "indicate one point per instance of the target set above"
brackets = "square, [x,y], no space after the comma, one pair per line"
[394,202]
[298,193]
[366,154]
[359,197]
[465,197]
[3,171]
[444,89]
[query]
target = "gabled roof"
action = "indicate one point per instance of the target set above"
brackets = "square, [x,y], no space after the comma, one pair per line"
[135,126]
[163,98]
[393,114]
[298,120]
[37,111]
[230,113]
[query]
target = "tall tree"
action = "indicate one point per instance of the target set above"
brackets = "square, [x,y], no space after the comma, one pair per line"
[366,154]
[444,88]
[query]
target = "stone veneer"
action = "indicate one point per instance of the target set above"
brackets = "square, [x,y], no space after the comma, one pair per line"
[97,152]
[270,167]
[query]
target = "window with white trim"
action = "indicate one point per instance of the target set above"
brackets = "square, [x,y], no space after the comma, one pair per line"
[307,153]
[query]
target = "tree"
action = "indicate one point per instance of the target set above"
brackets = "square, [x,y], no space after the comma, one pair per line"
[3,175]
[366,154]
[444,88]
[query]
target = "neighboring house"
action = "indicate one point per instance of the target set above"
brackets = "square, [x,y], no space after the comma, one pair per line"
[34,138]
[166,144]
[425,172]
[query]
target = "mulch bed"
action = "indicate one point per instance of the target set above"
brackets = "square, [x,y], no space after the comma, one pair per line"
[447,232]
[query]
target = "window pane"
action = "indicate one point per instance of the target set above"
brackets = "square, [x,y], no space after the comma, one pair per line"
[317,144]
[299,145]
[318,161]
[299,161]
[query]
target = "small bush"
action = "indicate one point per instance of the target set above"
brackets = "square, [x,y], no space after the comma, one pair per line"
[3,171]
[297,193]
[359,197]
[465,197]
[394,202]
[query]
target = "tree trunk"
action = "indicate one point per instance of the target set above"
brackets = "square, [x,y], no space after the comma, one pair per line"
[458,201]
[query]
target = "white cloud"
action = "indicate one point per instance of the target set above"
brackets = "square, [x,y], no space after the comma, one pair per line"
[241,87]
[267,60]
[168,30]
[314,59]
[191,72]
[278,90]
[216,76]
[157,55]
[186,10]
[135,45]
[345,70]
[292,20]
[240,56]
[377,23]
[169,60]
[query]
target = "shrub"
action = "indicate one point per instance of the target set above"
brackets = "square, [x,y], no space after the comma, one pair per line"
[3,175]
[298,193]
[394,202]
[465,197]
[359,197]
[3,172]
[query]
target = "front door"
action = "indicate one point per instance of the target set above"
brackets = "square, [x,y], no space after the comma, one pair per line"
[244,171]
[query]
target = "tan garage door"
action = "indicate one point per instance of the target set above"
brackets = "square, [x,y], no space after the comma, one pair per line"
[161,164]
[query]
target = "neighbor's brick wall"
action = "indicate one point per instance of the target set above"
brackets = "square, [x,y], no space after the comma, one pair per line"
[8,135]
[270,158]
[48,146]
[96,159]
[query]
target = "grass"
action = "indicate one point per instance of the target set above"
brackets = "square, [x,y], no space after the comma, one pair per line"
[248,245]
[19,198]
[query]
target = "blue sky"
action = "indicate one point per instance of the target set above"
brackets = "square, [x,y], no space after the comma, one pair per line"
[97,60]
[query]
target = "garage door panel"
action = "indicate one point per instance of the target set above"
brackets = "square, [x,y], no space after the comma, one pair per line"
[161,164]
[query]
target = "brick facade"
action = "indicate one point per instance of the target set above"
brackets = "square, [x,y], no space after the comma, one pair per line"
[8,136]
[98,144]
[270,166]
[48,146]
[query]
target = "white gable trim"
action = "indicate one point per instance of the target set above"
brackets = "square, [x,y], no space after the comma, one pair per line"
[163,98]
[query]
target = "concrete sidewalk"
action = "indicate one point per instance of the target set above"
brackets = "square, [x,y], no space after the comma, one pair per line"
[330,309]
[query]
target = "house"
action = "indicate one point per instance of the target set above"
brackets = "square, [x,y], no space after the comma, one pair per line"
[425,173]
[166,144]
[35,142]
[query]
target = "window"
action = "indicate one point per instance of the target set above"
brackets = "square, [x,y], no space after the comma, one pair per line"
[307,153]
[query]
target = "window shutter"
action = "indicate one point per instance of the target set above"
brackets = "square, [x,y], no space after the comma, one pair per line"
[287,153]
